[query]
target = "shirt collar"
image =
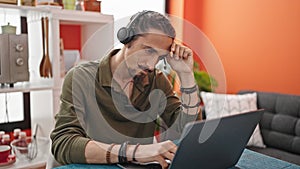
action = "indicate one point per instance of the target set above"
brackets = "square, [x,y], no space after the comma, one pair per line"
[105,74]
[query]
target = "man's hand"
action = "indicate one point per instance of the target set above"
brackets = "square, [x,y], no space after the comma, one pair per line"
[181,58]
[158,152]
[181,61]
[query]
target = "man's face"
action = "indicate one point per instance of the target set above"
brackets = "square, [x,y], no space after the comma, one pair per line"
[144,52]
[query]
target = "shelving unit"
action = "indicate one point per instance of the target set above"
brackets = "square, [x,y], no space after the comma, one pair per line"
[95,27]
[28,86]
[96,40]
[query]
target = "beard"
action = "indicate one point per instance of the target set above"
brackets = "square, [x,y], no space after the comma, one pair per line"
[140,73]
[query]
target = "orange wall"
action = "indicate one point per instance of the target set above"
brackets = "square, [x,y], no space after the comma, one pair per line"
[258,41]
[71,35]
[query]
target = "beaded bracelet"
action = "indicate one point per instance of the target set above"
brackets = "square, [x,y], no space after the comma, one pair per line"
[188,107]
[122,153]
[134,151]
[108,153]
[189,90]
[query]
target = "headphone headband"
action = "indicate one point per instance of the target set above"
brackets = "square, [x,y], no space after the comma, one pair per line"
[137,16]
[126,34]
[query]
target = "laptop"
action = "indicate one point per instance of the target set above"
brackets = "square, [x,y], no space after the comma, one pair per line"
[213,144]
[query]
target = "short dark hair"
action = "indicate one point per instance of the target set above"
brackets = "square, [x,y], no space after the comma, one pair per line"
[154,20]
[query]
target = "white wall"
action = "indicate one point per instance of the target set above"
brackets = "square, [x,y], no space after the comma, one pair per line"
[122,10]
[125,8]
[7,16]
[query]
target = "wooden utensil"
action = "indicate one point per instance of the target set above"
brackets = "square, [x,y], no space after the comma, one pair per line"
[47,63]
[45,66]
[43,42]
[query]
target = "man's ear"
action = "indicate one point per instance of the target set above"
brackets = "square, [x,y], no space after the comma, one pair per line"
[128,45]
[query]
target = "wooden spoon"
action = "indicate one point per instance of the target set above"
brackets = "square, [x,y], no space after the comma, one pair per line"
[46,67]
[47,63]
[43,42]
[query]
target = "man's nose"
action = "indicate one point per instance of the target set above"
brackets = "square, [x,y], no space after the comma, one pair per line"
[152,63]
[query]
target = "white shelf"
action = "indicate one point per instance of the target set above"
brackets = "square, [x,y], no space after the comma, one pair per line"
[80,17]
[16,7]
[21,10]
[43,84]
[65,16]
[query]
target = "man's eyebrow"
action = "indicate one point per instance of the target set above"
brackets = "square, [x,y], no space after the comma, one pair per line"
[150,47]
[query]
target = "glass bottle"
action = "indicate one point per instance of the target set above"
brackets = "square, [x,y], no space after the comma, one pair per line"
[1,134]
[16,133]
[5,139]
[22,142]
[79,5]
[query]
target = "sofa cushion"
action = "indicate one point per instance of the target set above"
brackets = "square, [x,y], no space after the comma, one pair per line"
[280,124]
[220,105]
[279,154]
[297,131]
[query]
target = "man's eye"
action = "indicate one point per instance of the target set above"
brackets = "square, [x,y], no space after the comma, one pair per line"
[150,51]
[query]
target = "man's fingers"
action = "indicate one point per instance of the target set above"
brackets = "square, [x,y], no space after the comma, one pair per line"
[169,155]
[169,146]
[173,149]
[181,52]
[186,54]
[162,162]
[171,54]
[177,50]
[173,47]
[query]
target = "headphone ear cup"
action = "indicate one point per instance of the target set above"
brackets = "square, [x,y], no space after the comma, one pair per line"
[123,34]
[131,35]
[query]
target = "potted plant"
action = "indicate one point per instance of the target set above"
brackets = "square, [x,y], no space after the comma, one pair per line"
[204,81]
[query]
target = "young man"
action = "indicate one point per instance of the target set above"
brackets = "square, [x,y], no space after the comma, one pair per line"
[109,108]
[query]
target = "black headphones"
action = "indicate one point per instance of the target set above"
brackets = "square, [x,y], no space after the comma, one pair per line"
[126,34]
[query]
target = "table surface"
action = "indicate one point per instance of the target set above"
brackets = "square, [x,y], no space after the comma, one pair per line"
[248,160]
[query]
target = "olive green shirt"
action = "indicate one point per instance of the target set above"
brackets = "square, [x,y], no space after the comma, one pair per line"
[93,106]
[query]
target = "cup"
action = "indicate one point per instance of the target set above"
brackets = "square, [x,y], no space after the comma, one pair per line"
[69,4]
[4,153]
